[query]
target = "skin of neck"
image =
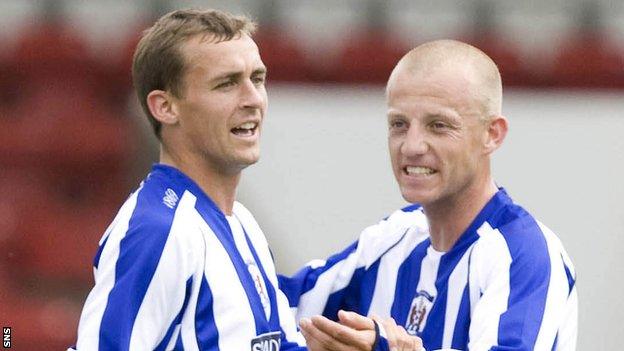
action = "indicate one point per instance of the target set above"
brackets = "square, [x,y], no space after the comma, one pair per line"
[220,186]
[448,218]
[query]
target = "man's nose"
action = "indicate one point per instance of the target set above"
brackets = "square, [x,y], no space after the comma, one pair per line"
[252,95]
[416,142]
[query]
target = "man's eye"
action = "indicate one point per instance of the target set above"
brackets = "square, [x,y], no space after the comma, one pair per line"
[258,80]
[227,84]
[438,125]
[397,124]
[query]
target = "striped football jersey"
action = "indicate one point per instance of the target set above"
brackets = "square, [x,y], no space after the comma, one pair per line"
[172,272]
[506,284]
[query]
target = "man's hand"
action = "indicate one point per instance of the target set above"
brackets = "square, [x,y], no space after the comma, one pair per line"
[354,333]
[322,334]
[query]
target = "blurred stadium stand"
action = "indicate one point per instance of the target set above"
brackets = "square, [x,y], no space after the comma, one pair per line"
[588,57]
[71,134]
[484,32]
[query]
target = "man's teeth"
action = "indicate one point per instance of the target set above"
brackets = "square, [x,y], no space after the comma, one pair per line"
[245,129]
[248,125]
[419,170]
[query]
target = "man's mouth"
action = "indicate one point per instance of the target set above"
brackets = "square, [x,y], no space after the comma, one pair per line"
[418,170]
[246,129]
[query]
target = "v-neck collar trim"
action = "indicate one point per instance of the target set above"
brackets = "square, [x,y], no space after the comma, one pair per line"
[497,202]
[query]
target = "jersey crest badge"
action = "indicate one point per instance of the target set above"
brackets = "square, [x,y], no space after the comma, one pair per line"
[418,312]
[266,342]
[260,288]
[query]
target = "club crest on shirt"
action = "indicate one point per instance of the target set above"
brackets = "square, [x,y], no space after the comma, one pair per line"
[418,312]
[256,275]
[266,342]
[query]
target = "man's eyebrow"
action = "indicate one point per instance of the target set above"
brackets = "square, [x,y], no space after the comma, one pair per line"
[261,70]
[228,75]
[237,74]
[445,115]
[394,113]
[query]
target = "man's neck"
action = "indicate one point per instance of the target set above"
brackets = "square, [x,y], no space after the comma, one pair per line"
[449,218]
[219,186]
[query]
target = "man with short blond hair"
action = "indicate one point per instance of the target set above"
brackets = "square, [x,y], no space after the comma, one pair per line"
[464,268]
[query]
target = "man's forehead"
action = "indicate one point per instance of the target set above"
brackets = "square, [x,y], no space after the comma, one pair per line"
[424,106]
[439,83]
[441,92]
[221,52]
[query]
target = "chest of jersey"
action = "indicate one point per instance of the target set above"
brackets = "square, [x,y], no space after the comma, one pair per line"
[236,299]
[437,305]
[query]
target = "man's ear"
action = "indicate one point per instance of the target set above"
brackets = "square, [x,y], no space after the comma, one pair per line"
[162,106]
[496,132]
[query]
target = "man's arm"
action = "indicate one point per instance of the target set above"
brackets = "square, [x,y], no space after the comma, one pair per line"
[321,285]
[325,287]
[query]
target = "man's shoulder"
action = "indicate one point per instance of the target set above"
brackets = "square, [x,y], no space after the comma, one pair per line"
[513,221]
[156,204]
[524,236]
[407,225]
[408,219]
[513,240]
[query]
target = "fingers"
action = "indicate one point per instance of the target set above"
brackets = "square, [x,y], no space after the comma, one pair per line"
[315,339]
[398,338]
[355,321]
[356,333]
[407,342]
[362,340]
[329,335]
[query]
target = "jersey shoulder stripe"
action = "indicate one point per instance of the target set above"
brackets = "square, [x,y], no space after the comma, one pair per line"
[533,264]
[140,250]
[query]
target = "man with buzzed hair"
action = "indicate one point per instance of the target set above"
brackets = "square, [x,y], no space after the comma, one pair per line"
[463,267]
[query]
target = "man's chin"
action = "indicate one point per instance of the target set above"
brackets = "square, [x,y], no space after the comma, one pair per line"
[247,161]
[416,196]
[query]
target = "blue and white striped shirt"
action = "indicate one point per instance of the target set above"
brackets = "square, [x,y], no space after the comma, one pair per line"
[172,273]
[507,284]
